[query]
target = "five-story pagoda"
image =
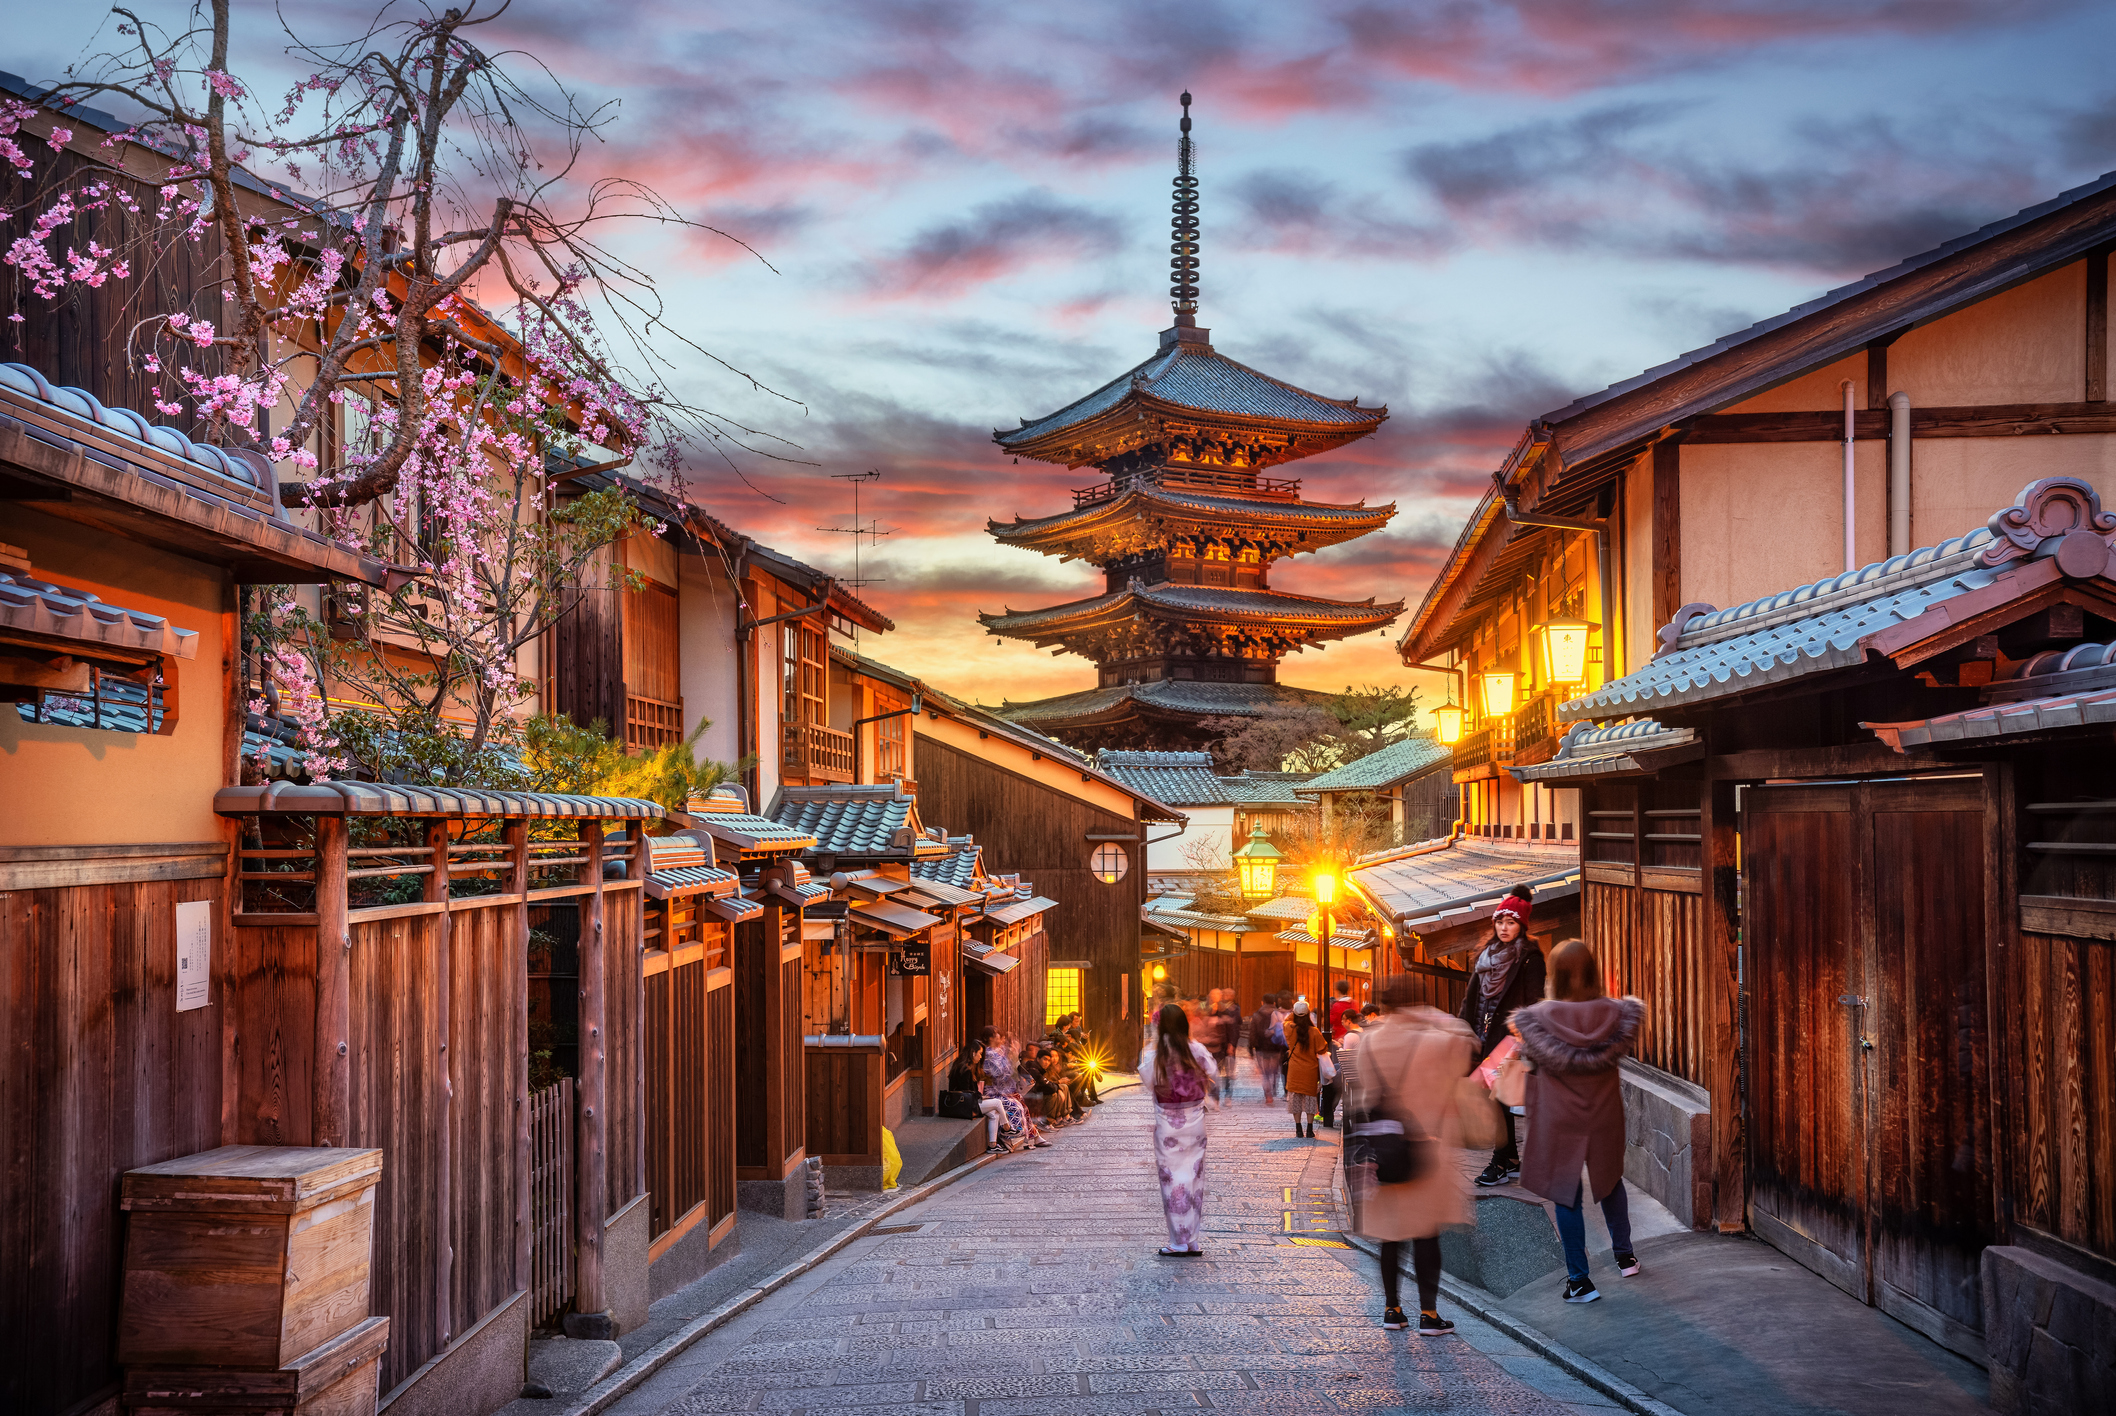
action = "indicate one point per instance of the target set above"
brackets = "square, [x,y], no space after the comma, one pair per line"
[1185,527]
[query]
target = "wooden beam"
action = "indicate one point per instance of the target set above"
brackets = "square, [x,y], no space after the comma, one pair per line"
[1846,760]
[2098,324]
[2003,1059]
[516,835]
[591,1157]
[1667,531]
[1977,420]
[436,892]
[1718,825]
[1877,373]
[331,1096]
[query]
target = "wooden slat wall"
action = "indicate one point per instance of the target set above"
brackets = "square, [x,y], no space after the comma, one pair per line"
[1017,995]
[623,923]
[844,1087]
[551,1128]
[651,658]
[1649,944]
[661,1105]
[793,1068]
[720,1094]
[1196,972]
[102,1075]
[269,1005]
[2062,1099]
[588,669]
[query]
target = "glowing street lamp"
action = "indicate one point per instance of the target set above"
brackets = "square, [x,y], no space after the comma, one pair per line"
[1323,883]
[1447,724]
[1565,649]
[1258,864]
[1498,685]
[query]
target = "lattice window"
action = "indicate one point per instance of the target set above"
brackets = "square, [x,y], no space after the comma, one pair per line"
[1110,862]
[1061,993]
[889,739]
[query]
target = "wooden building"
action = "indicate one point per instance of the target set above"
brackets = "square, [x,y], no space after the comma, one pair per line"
[1895,981]
[1222,808]
[1407,785]
[1185,527]
[1271,947]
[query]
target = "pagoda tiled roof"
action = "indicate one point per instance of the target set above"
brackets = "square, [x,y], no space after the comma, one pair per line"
[1167,698]
[1323,524]
[1191,375]
[1203,602]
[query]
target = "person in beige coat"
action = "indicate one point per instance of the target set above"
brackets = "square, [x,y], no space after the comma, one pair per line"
[1409,1064]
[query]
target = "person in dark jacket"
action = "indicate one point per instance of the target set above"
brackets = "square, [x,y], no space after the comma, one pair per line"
[1269,1056]
[1576,1107]
[1508,974]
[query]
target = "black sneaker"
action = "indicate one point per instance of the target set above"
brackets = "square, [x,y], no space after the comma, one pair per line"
[1433,1325]
[1499,1172]
[1626,1263]
[1580,1290]
[1394,1320]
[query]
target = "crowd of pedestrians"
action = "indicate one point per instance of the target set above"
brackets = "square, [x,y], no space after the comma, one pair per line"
[1025,1090]
[1418,1087]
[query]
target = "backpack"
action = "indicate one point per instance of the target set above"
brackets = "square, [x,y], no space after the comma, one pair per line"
[1278,1031]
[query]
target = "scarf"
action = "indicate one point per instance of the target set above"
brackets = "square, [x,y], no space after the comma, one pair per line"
[1496,968]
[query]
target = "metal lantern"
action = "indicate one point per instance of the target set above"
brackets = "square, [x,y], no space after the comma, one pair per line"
[1447,724]
[1498,687]
[1565,649]
[1258,864]
[1324,884]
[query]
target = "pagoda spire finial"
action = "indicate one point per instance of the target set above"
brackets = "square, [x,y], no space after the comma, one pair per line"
[1183,269]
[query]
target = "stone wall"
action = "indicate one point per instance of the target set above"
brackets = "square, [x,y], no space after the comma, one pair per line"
[2049,1335]
[1668,1141]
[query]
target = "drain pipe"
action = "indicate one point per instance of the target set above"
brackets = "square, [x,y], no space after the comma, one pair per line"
[1851,548]
[1898,474]
[1600,528]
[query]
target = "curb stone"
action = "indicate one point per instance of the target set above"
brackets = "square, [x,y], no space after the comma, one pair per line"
[632,1374]
[1476,1301]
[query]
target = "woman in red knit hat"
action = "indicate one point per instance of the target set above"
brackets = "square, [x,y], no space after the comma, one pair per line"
[1508,975]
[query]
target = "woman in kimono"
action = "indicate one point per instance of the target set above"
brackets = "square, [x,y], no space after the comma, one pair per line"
[1184,1083]
[1004,1082]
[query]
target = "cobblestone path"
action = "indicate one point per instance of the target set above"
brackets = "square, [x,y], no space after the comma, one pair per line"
[1032,1289]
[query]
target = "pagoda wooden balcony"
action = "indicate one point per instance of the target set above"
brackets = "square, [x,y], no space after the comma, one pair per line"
[817,753]
[1215,481]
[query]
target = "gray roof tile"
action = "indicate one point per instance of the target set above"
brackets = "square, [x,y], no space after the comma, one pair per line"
[1400,760]
[1197,377]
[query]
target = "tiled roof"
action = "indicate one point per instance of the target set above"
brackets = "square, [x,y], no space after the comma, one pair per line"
[1170,916]
[1439,884]
[247,470]
[679,881]
[384,799]
[1017,910]
[2058,689]
[1591,752]
[1798,632]
[1146,499]
[1194,376]
[958,868]
[1205,602]
[123,708]
[1269,789]
[1339,938]
[747,831]
[1178,778]
[1181,696]
[847,820]
[34,606]
[1399,761]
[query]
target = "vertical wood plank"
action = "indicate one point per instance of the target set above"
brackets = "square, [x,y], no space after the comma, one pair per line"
[2097,324]
[593,1187]
[2101,1060]
[1667,533]
[1720,963]
[439,946]
[513,949]
[330,1108]
[2068,1050]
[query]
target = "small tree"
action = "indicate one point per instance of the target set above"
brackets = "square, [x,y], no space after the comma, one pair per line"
[1317,737]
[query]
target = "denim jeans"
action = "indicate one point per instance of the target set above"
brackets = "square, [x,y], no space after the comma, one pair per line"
[1572,1227]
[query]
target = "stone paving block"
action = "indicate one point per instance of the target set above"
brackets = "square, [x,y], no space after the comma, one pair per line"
[1051,1384]
[1109,1404]
[1164,1381]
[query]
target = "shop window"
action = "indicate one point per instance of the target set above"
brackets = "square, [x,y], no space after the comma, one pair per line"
[1061,993]
[1110,862]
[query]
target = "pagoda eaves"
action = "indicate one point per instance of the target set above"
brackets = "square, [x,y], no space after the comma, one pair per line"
[1146,513]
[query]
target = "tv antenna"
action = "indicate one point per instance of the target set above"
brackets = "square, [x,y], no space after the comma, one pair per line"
[869,530]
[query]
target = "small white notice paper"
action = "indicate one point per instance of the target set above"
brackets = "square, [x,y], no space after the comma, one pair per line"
[194,953]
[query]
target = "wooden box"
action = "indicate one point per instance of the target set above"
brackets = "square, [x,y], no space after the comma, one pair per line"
[337,1379]
[246,1256]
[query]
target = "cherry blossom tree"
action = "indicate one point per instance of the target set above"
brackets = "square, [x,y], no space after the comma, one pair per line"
[429,296]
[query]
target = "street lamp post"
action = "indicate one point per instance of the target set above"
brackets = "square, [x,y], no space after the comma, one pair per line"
[1324,883]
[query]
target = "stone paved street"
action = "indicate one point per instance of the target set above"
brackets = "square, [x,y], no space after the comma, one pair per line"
[1031,1288]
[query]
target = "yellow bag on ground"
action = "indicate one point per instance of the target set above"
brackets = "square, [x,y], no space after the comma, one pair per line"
[892,1159]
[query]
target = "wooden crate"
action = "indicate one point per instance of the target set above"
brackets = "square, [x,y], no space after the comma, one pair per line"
[336,1379]
[246,1256]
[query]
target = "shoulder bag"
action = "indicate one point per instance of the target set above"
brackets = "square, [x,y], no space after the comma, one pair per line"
[1401,1152]
[959,1106]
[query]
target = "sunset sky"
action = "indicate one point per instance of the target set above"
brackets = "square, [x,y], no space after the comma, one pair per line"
[1472,212]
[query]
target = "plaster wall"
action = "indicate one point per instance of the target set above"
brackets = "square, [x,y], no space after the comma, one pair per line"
[1207,823]
[2026,345]
[1758,518]
[154,789]
[706,606]
[653,556]
[1821,388]
[1957,483]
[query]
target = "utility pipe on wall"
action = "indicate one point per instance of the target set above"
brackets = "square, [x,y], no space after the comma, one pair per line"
[1851,525]
[1898,474]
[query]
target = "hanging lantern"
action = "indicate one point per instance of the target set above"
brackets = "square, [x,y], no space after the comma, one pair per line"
[1498,692]
[1447,724]
[1258,864]
[1565,649]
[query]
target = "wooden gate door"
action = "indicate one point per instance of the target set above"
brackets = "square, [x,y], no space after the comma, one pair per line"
[1868,1150]
[1807,1101]
[1262,974]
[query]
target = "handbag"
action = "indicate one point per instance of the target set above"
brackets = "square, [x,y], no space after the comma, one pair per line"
[1401,1152]
[1483,1125]
[1326,1067]
[959,1106]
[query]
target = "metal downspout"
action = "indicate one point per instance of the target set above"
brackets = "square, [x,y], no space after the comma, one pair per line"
[1899,474]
